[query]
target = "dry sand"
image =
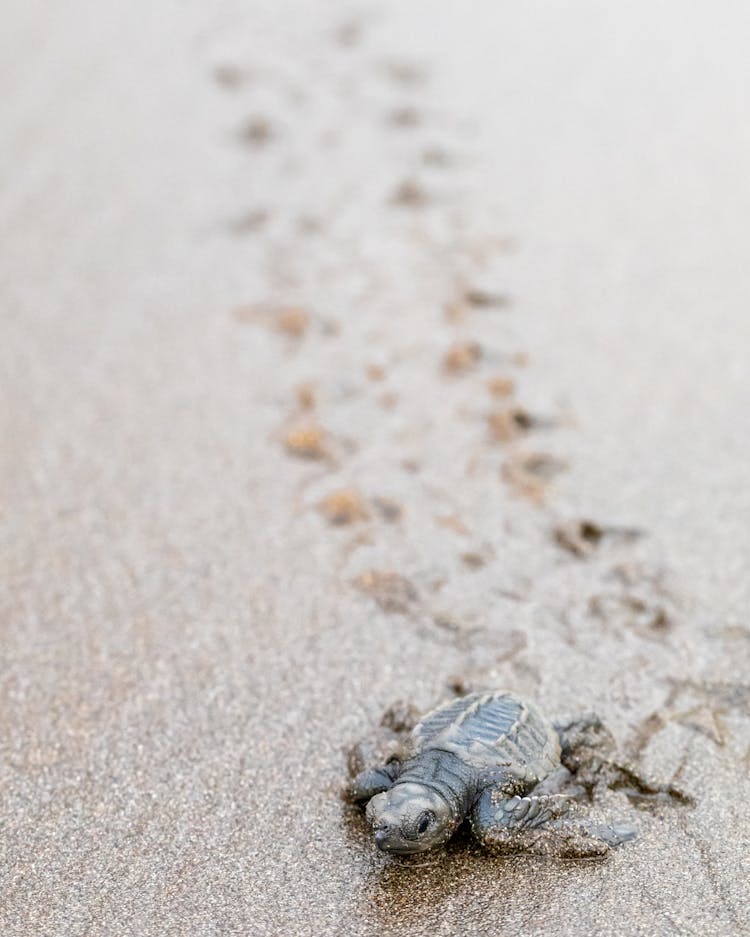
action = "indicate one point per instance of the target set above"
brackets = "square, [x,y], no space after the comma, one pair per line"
[248,501]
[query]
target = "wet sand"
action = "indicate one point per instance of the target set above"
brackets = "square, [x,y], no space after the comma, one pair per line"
[323,328]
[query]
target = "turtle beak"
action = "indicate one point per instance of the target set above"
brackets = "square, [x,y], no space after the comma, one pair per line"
[381,838]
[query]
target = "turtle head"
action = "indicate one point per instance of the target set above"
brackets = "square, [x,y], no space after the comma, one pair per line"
[410,818]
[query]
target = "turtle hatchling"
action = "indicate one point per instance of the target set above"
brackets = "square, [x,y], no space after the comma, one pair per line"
[492,758]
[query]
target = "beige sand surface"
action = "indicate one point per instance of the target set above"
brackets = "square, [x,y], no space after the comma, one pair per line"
[262,257]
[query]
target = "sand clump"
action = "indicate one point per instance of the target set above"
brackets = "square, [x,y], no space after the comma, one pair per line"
[410,194]
[484,299]
[583,537]
[256,132]
[292,321]
[529,474]
[501,386]
[306,396]
[509,423]
[389,509]
[307,442]
[346,506]
[461,357]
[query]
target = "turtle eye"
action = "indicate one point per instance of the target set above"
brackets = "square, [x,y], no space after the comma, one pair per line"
[424,821]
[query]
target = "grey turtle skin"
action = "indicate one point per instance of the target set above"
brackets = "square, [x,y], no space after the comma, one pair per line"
[493,758]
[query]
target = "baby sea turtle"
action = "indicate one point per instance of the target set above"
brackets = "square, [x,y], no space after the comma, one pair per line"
[493,758]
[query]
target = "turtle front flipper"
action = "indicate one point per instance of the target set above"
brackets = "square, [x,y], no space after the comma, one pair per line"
[372,781]
[495,811]
[536,825]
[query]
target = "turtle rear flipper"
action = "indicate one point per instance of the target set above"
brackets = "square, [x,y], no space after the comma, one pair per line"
[561,840]
[613,834]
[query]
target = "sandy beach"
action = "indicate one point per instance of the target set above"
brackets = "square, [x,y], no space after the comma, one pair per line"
[354,353]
